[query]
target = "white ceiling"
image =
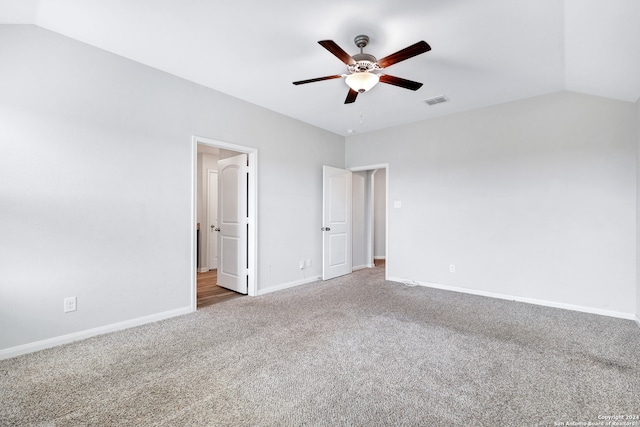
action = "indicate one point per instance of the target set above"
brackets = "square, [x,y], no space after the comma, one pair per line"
[483,52]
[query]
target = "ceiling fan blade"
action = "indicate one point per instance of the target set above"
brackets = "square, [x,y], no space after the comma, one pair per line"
[406,53]
[351,97]
[332,47]
[319,79]
[397,81]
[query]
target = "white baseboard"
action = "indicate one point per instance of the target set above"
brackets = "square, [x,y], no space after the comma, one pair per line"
[76,336]
[288,285]
[362,267]
[203,269]
[638,319]
[379,257]
[592,310]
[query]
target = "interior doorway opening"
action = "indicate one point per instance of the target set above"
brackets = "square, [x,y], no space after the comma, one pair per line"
[207,257]
[370,213]
[208,290]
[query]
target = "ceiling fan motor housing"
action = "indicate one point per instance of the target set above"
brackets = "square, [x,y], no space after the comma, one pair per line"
[364,63]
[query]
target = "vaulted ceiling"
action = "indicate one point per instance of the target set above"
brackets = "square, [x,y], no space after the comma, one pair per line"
[483,52]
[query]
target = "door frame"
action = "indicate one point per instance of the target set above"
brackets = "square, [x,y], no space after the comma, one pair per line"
[371,207]
[252,221]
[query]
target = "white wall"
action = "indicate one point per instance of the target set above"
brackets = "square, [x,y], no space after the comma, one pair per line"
[96,173]
[380,214]
[534,199]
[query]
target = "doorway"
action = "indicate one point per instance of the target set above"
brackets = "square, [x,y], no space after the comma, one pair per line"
[206,155]
[370,217]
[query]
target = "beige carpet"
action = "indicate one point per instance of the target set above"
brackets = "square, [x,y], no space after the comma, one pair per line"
[354,351]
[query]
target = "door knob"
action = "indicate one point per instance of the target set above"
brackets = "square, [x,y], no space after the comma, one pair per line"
[216,229]
[325,229]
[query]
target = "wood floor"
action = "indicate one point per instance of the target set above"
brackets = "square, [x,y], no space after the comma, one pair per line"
[208,290]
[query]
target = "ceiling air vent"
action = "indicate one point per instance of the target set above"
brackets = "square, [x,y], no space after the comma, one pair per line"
[436,100]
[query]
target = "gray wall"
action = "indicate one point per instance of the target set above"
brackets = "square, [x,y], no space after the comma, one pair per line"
[96,172]
[534,199]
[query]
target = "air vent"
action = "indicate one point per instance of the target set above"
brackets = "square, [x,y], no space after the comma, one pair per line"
[436,100]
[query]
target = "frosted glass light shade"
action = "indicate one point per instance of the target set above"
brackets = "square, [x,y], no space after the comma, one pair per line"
[362,81]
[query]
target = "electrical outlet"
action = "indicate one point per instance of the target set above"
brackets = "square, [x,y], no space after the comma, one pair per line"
[452,268]
[70,304]
[301,262]
[308,262]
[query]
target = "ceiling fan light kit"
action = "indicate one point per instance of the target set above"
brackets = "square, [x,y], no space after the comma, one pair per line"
[365,70]
[362,81]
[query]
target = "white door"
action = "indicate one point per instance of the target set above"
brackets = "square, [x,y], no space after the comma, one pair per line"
[212,219]
[336,220]
[232,223]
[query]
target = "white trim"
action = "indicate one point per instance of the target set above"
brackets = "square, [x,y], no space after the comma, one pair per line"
[252,271]
[369,167]
[572,307]
[379,257]
[360,267]
[638,319]
[192,229]
[203,269]
[289,285]
[372,217]
[77,336]
[252,248]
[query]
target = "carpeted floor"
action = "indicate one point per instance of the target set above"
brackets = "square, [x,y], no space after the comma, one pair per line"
[354,351]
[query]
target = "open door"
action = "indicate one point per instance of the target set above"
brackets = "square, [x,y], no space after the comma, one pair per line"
[336,219]
[232,223]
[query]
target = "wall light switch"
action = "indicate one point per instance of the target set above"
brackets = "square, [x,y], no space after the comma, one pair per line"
[397,204]
[69,304]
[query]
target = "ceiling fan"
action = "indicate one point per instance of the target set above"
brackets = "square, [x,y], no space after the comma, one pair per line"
[364,69]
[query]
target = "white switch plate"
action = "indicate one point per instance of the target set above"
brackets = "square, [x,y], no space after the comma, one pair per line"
[397,204]
[308,262]
[452,268]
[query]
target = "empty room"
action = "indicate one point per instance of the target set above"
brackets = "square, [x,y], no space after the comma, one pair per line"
[417,213]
